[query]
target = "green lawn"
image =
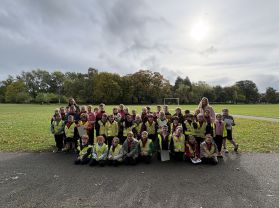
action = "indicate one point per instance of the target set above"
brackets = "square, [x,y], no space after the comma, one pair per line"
[27,127]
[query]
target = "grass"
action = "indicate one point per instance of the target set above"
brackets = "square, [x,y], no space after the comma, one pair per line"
[27,127]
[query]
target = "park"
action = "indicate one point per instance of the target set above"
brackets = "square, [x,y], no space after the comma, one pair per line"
[139,103]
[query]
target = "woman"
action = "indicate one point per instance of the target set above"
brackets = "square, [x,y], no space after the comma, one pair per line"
[203,106]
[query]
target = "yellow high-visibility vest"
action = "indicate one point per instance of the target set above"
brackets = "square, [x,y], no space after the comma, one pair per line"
[145,149]
[101,150]
[138,127]
[58,126]
[102,130]
[200,131]
[160,140]
[112,129]
[69,132]
[189,128]
[179,143]
[150,128]
[116,150]
[84,150]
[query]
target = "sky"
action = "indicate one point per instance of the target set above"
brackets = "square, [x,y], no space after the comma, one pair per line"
[216,41]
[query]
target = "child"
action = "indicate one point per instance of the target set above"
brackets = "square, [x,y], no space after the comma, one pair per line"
[144,115]
[151,127]
[121,111]
[208,151]
[111,130]
[102,126]
[137,127]
[70,132]
[228,119]
[178,113]
[167,113]
[84,151]
[115,153]
[91,120]
[130,149]
[158,110]
[175,123]
[82,110]
[56,113]
[99,115]
[116,115]
[127,126]
[146,148]
[162,120]
[177,144]
[199,129]
[57,129]
[219,133]
[62,113]
[209,122]
[72,111]
[186,114]
[163,142]
[192,151]
[134,114]
[188,125]
[99,153]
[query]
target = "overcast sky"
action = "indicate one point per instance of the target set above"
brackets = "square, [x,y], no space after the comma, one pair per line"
[219,42]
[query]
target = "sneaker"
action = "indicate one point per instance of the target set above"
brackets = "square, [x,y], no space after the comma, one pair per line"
[236,148]
[225,150]
[219,155]
[57,150]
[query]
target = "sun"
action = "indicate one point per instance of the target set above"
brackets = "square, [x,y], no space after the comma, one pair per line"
[199,31]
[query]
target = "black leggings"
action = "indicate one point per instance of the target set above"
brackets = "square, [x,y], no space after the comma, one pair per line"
[218,139]
[59,140]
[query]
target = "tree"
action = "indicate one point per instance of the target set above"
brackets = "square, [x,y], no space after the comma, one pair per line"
[249,90]
[270,95]
[17,92]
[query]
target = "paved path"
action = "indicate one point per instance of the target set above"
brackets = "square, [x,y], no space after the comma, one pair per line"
[51,180]
[257,118]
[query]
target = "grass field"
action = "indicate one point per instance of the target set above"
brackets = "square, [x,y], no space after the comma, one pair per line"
[27,127]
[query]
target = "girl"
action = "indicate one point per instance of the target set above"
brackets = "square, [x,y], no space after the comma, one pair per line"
[137,127]
[82,110]
[219,133]
[167,113]
[127,126]
[175,123]
[121,111]
[192,151]
[85,124]
[70,132]
[117,116]
[188,125]
[99,153]
[57,129]
[210,124]
[144,117]
[146,148]
[163,142]
[134,114]
[84,151]
[178,113]
[102,126]
[199,129]
[130,149]
[111,130]
[72,111]
[162,120]
[99,117]
[208,151]
[91,120]
[115,153]
[177,144]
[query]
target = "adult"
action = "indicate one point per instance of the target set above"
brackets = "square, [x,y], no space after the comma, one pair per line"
[73,102]
[204,106]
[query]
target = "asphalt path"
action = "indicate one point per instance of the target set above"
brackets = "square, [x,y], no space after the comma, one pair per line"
[257,118]
[52,180]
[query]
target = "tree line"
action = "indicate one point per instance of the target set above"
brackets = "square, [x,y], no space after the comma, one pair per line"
[141,87]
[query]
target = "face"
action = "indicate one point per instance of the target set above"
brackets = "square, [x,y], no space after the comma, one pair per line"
[104,117]
[62,110]
[71,119]
[72,101]
[134,112]
[175,121]
[165,129]
[162,115]
[57,117]
[144,110]
[158,108]
[144,135]
[150,118]
[204,102]
[89,109]
[178,111]
[115,110]
[111,119]
[129,118]
[225,112]
[130,137]
[101,107]
[208,139]
[84,140]
[115,142]
[138,119]
[96,110]
[192,140]
[178,130]
[206,113]
[84,118]
[219,117]
[72,110]
[126,110]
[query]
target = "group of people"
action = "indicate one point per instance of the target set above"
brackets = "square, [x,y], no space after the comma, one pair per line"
[121,136]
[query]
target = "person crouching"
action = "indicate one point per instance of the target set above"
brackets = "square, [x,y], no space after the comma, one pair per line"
[130,149]
[208,151]
[84,151]
[115,153]
[99,153]
[146,148]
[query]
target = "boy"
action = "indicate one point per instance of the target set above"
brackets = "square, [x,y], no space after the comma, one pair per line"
[219,133]
[91,120]
[70,132]
[146,148]
[102,126]
[151,127]
[208,151]
[84,151]
[99,153]
[99,115]
[163,142]
[130,149]
[137,127]
[228,119]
